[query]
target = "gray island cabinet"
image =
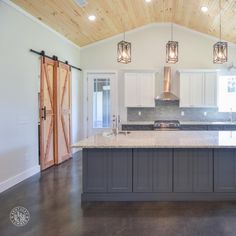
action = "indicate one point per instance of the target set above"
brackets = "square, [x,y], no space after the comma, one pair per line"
[126,169]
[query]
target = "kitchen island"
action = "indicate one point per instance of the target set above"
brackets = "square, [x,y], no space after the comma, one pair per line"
[159,166]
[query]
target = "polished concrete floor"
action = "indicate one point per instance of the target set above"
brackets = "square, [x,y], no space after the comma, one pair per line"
[53,200]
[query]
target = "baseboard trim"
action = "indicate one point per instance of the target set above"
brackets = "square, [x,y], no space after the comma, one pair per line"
[18,178]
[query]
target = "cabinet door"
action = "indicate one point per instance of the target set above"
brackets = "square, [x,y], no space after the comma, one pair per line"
[183,171]
[210,89]
[120,170]
[95,170]
[184,90]
[225,170]
[193,170]
[203,170]
[132,98]
[146,88]
[196,90]
[142,170]
[162,170]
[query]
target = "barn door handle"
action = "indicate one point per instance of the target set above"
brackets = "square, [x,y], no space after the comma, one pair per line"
[44,109]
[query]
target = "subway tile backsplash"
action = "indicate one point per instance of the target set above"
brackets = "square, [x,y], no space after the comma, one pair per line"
[173,111]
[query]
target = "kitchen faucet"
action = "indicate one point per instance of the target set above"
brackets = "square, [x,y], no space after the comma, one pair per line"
[116,124]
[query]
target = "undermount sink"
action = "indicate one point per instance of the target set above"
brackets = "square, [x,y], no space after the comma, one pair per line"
[124,132]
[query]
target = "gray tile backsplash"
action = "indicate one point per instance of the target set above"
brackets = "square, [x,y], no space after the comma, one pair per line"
[173,111]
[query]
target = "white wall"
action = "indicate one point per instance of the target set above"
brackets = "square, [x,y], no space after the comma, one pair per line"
[148,53]
[19,81]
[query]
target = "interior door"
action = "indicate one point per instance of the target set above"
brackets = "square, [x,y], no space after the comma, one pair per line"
[63,111]
[47,113]
[102,102]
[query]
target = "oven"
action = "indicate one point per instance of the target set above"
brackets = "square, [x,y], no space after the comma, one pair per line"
[166,125]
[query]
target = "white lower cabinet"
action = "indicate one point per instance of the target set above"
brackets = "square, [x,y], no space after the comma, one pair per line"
[139,89]
[198,89]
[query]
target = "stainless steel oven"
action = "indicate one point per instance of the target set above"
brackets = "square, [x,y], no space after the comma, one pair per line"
[164,125]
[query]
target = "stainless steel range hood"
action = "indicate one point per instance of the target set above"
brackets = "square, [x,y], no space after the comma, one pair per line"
[166,95]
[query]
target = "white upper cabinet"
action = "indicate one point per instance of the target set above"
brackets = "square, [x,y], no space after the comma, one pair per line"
[185,90]
[139,89]
[198,89]
[210,89]
[131,90]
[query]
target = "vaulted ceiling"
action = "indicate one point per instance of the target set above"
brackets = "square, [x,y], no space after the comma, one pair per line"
[71,20]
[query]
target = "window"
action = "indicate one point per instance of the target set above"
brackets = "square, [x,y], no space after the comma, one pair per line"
[227,93]
[101,103]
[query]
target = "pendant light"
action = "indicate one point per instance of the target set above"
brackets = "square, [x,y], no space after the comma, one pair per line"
[124,50]
[172,49]
[220,49]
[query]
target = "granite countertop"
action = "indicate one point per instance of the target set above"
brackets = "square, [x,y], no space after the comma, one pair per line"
[162,139]
[183,123]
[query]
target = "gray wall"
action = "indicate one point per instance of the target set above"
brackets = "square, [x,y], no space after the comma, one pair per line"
[173,111]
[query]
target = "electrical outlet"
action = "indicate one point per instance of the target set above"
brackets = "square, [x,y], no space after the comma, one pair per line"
[205,113]
[182,113]
[139,113]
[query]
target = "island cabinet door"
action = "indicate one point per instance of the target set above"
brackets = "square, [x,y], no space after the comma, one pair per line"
[203,170]
[120,170]
[142,170]
[225,170]
[193,170]
[152,170]
[183,171]
[162,170]
[95,170]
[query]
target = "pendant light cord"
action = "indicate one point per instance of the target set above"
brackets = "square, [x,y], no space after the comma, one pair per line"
[220,20]
[172,27]
[171,31]
[123,27]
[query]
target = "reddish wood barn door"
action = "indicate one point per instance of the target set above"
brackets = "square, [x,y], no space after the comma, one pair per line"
[63,121]
[47,113]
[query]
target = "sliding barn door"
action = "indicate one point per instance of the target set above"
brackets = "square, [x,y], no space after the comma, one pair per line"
[47,113]
[63,121]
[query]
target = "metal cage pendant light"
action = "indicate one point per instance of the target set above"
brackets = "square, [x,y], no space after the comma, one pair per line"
[124,51]
[220,49]
[172,49]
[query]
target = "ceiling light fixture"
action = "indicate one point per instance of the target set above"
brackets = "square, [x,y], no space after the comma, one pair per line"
[148,0]
[92,17]
[204,9]
[172,49]
[220,49]
[124,51]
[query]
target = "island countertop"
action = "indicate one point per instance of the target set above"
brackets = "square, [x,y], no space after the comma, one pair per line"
[162,139]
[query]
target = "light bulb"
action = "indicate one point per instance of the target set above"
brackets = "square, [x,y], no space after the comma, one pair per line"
[124,54]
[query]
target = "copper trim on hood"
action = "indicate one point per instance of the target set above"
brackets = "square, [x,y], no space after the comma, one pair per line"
[167,95]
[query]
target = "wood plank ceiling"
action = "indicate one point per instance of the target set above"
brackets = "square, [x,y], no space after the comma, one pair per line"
[71,20]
